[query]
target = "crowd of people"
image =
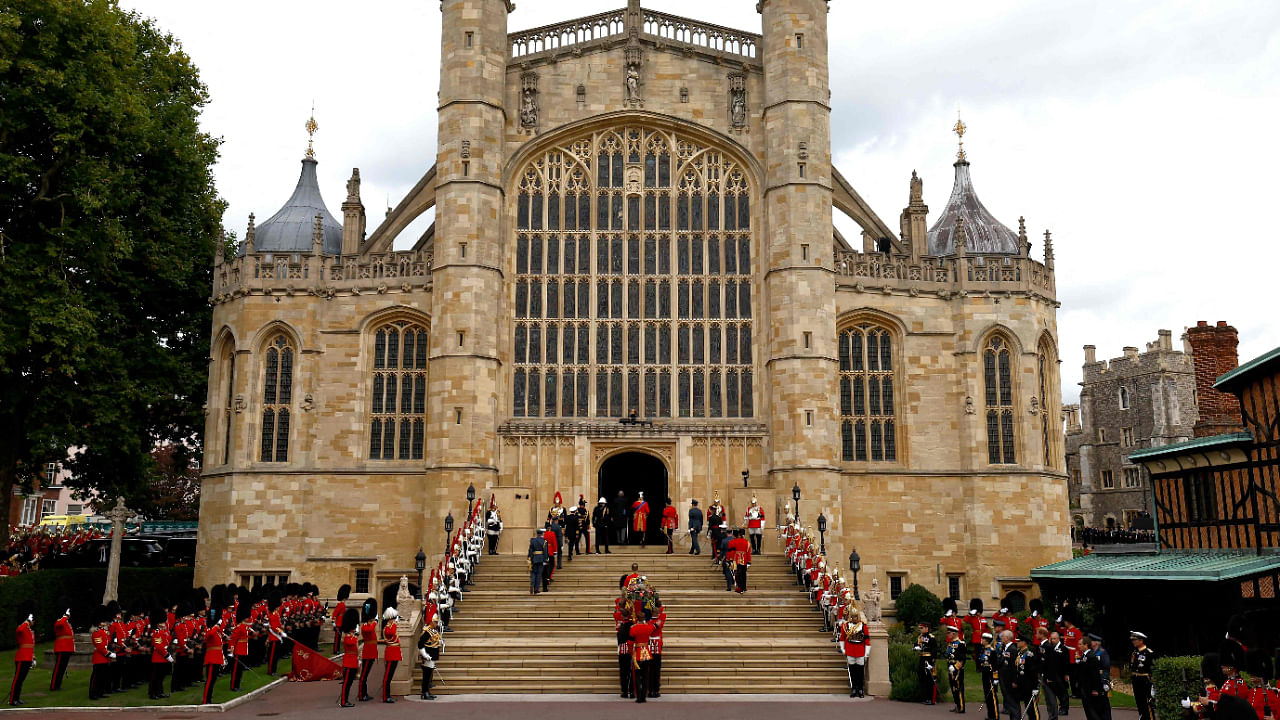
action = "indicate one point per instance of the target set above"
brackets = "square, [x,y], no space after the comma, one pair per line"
[1087,536]
[31,546]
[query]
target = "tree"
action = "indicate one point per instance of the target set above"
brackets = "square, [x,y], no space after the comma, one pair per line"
[915,604]
[173,493]
[108,222]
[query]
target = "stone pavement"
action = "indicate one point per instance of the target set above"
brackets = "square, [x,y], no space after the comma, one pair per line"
[317,701]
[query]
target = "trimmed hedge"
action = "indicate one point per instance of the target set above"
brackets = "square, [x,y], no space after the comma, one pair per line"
[82,588]
[915,604]
[1167,677]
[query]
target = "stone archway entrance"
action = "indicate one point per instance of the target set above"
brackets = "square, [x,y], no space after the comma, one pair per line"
[632,473]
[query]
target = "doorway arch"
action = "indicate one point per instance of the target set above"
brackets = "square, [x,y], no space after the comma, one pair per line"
[630,473]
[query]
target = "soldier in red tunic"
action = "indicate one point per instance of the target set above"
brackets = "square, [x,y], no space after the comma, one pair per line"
[25,657]
[240,645]
[64,646]
[738,553]
[640,519]
[949,618]
[1037,619]
[275,632]
[369,645]
[350,643]
[213,657]
[641,657]
[161,658]
[670,522]
[655,653]
[102,655]
[391,634]
[977,625]
[853,635]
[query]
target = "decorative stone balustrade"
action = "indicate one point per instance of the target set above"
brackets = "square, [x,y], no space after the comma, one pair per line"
[659,28]
[329,275]
[944,276]
[602,427]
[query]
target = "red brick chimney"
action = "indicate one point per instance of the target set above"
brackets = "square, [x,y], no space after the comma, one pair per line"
[1213,352]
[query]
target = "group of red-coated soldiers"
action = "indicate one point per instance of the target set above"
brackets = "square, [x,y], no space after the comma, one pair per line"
[358,639]
[1227,695]
[28,547]
[638,618]
[224,629]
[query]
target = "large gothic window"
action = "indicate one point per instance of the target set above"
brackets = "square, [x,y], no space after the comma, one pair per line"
[227,382]
[868,430]
[277,400]
[633,280]
[1046,367]
[997,377]
[398,400]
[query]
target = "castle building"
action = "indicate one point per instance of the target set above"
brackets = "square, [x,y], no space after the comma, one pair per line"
[634,215]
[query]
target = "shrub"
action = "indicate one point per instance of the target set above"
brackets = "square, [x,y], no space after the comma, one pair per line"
[904,664]
[82,588]
[1175,678]
[915,604]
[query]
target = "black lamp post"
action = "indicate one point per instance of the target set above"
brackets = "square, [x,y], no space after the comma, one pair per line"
[420,564]
[822,531]
[448,531]
[855,564]
[795,495]
[471,498]
[745,475]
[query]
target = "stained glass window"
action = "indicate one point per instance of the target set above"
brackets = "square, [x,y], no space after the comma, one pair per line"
[398,401]
[277,400]
[867,427]
[997,377]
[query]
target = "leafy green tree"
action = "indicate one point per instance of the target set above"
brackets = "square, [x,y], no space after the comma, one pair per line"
[108,222]
[916,603]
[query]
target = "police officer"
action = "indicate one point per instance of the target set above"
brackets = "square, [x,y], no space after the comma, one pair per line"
[927,647]
[1141,662]
[955,654]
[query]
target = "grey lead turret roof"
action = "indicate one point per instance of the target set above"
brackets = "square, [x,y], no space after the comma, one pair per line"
[290,230]
[983,233]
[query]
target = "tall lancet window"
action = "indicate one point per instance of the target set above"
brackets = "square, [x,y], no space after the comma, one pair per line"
[277,400]
[868,427]
[398,401]
[997,376]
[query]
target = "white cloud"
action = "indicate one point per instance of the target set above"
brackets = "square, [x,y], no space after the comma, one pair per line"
[1141,133]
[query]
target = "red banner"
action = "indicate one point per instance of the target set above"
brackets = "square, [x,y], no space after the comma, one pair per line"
[309,666]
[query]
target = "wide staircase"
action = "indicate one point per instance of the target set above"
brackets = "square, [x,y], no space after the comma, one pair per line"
[562,641]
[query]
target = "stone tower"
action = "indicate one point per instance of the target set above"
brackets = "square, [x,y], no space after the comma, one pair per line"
[467,279]
[799,291]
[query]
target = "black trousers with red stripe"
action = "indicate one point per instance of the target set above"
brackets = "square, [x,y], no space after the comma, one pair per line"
[388,672]
[366,666]
[348,679]
[273,656]
[210,677]
[237,671]
[60,661]
[20,670]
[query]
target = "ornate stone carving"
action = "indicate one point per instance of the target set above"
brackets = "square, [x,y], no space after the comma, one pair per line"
[240,405]
[871,602]
[737,101]
[684,94]
[308,403]
[353,186]
[634,59]
[1034,409]
[968,406]
[403,596]
[529,101]
[466,150]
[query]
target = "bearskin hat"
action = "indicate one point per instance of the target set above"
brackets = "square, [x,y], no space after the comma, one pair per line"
[1211,668]
[948,606]
[1036,606]
[103,614]
[1231,654]
[975,606]
[344,592]
[274,600]
[350,620]
[369,610]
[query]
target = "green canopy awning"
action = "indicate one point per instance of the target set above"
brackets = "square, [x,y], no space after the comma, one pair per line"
[1192,566]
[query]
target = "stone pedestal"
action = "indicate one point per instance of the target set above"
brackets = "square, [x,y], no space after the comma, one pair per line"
[81,660]
[518,518]
[410,609]
[878,661]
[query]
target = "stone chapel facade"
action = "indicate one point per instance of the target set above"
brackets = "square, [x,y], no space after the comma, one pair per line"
[633,215]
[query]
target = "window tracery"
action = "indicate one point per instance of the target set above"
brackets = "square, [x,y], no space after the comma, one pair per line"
[277,400]
[398,400]
[633,280]
[868,415]
[997,374]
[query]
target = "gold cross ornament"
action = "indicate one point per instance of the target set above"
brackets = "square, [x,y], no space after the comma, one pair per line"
[959,130]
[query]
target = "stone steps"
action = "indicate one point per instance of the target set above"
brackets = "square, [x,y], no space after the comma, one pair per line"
[765,641]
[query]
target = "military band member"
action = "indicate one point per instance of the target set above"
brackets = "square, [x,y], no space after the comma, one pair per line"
[670,522]
[956,653]
[641,657]
[1212,704]
[1141,664]
[927,647]
[350,641]
[754,520]
[64,646]
[602,521]
[369,645]
[623,621]
[853,635]
[24,657]
[988,665]
[1026,679]
[430,645]
[640,520]
[391,658]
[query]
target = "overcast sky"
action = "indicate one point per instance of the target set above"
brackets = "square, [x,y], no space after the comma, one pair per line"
[1143,134]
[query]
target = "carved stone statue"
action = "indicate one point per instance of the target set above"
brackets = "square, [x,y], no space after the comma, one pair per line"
[403,596]
[738,113]
[871,602]
[968,406]
[529,108]
[633,84]
[353,186]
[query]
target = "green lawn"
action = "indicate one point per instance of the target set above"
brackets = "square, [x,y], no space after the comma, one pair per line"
[973,690]
[75,686]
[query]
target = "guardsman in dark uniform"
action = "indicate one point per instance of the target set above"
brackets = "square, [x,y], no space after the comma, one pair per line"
[695,527]
[430,646]
[956,653]
[1026,678]
[570,520]
[584,524]
[538,557]
[988,661]
[1142,662]
[602,521]
[927,647]
[64,646]
[622,617]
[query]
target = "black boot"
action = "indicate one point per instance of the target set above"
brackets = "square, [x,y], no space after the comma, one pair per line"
[426,683]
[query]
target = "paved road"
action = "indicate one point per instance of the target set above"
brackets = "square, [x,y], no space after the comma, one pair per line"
[317,701]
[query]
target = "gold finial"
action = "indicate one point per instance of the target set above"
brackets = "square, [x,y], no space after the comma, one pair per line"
[959,130]
[312,127]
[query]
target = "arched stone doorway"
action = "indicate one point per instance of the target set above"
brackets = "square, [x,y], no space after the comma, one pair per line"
[631,473]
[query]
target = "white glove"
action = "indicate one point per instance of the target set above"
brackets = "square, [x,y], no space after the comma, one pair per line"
[111,656]
[170,658]
[422,654]
[1186,703]
[33,664]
